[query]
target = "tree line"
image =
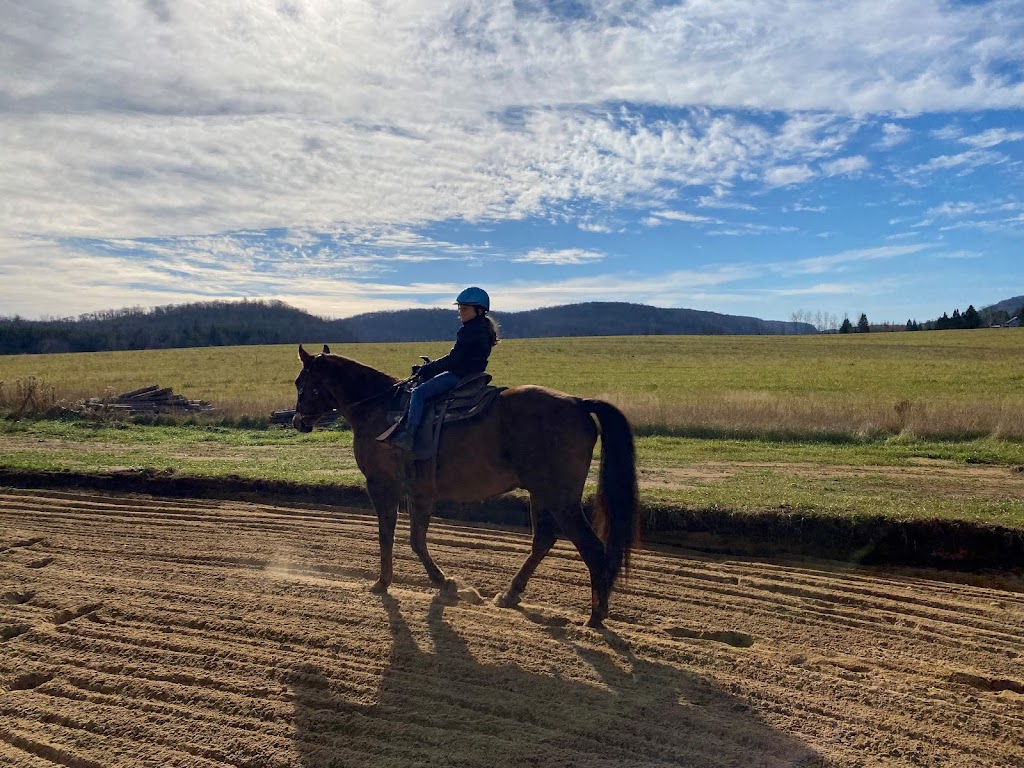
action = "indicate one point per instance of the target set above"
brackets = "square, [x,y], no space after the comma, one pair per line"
[203,324]
[222,323]
[970,318]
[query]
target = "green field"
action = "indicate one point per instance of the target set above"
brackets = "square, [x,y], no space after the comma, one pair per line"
[902,426]
[895,478]
[938,385]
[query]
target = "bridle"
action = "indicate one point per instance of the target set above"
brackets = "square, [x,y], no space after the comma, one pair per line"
[397,385]
[392,388]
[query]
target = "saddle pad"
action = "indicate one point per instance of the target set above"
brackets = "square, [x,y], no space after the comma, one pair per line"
[457,407]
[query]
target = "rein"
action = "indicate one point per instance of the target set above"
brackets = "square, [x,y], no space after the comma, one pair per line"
[374,396]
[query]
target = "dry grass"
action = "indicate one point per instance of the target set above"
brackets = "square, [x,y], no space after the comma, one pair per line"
[757,414]
[949,385]
[28,396]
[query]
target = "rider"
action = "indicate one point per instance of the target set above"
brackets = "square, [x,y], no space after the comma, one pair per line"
[476,337]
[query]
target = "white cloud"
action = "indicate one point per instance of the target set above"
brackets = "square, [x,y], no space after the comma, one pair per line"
[991,216]
[957,255]
[893,135]
[743,229]
[564,256]
[689,218]
[786,175]
[350,125]
[846,166]
[953,210]
[204,118]
[838,262]
[721,202]
[821,289]
[992,138]
[962,163]
[947,133]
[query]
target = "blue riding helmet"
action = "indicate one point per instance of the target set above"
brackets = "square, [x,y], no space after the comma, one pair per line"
[476,297]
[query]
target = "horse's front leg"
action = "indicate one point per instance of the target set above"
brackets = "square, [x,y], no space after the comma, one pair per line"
[545,534]
[419,521]
[385,495]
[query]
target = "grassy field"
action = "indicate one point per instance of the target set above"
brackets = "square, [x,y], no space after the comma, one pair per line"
[902,426]
[895,478]
[957,385]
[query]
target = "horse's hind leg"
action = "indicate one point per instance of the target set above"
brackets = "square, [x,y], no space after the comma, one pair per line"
[545,533]
[419,521]
[579,532]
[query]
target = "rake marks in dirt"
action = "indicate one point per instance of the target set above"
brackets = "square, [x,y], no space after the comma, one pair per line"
[202,633]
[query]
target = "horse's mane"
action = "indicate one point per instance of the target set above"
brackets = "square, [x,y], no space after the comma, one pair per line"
[362,380]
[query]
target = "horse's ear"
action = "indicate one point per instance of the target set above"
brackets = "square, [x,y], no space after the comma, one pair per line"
[327,350]
[304,356]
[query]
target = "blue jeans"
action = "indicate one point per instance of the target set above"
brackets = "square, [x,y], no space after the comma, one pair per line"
[439,385]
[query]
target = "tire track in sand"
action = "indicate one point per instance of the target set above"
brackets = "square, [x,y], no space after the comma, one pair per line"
[202,633]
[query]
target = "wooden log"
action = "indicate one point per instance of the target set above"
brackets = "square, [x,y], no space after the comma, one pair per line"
[154,395]
[139,391]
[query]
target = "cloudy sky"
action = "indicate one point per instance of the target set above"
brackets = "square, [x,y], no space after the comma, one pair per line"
[755,157]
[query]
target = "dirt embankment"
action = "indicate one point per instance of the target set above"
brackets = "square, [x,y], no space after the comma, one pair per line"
[141,630]
[946,544]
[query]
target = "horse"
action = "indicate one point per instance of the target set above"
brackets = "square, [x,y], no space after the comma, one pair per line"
[533,438]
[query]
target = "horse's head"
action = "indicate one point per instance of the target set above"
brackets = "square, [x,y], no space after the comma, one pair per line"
[313,398]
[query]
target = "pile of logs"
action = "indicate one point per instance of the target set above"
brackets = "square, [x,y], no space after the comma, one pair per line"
[151,399]
[285,417]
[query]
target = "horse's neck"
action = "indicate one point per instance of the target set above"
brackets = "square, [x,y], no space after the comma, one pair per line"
[355,384]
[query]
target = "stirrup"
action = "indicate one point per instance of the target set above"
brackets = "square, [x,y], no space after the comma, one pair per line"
[402,439]
[384,436]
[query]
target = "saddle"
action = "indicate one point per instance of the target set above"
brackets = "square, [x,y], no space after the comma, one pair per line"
[472,396]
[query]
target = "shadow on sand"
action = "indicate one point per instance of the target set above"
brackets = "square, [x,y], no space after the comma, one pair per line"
[445,707]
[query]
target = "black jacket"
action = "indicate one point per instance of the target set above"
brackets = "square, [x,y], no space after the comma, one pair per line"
[470,353]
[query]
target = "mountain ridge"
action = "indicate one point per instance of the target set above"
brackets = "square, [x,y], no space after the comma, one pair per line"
[224,323]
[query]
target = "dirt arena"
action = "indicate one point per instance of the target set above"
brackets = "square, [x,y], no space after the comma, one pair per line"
[139,631]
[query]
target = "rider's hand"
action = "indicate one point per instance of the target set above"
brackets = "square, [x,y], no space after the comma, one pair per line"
[416,370]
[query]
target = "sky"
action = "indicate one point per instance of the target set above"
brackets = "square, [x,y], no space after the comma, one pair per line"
[750,157]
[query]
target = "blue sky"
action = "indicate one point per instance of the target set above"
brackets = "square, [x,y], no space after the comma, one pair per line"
[743,157]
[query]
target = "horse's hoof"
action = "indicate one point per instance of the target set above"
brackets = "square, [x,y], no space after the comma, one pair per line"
[595,623]
[507,600]
[379,588]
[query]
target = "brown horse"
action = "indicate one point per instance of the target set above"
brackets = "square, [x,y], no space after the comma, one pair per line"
[533,438]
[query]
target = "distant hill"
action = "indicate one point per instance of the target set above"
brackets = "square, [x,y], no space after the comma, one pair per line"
[1010,306]
[587,319]
[218,323]
[273,322]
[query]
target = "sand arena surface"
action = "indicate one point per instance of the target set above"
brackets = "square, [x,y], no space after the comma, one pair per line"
[139,631]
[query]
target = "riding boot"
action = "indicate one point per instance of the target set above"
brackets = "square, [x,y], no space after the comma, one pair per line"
[402,439]
[398,435]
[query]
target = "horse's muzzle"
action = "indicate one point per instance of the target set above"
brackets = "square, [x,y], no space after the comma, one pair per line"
[300,423]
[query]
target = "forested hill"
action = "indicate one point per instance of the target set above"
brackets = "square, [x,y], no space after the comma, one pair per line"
[208,324]
[273,322]
[589,319]
[1010,306]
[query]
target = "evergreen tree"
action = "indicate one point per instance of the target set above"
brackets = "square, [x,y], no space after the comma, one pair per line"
[847,326]
[971,318]
[863,326]
[956,321]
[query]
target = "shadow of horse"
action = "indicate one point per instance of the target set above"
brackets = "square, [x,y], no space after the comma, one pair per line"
[442,706]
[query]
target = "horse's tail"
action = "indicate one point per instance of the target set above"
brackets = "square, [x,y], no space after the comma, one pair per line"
[616,516]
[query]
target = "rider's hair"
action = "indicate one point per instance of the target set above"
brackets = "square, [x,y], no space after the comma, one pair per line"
[492,327]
